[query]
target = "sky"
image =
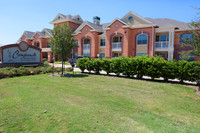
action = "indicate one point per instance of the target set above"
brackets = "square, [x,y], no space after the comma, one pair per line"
[16,16]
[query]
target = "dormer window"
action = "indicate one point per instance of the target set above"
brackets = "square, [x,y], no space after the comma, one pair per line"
[58,17]
[130,19]
[78,19]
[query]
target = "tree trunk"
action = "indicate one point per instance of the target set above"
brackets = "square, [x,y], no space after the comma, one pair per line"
[62,66]
[198,83]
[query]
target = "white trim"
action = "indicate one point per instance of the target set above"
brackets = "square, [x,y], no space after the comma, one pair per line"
[116,20]
[137,38]
[100,43]
[152,39]
[83,25]
[47,32]
[132,13]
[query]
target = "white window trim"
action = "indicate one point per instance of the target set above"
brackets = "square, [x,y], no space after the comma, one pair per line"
[137,39]
[100,43]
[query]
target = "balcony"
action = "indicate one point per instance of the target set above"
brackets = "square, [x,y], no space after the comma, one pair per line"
[46,49]
[162,44]
[86,47]
[116,46]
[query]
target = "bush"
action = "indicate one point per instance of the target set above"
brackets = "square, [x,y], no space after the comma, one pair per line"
[168,69]
[154,67]
[44,59]
[106,65]
[69,69]
[90,65]
[97,64]
[23,71]
[82,63]
[141,66]
[116,66]
[58,69]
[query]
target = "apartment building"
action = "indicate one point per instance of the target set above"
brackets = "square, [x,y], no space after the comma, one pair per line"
[129,36]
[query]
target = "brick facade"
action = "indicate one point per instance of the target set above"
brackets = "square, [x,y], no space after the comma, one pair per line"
[128,34]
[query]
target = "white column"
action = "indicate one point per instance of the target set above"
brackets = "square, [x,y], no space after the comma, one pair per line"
[169,46]
[172,47]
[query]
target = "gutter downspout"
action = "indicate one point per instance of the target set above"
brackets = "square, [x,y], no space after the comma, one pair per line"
[152,38]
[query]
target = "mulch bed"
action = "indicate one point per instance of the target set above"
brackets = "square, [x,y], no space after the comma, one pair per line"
[60,75]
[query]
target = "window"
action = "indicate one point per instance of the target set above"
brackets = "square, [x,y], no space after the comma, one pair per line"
[76,43]
[140,54]
[117,39]
[184,37]
[103,42]
[142,39]
[102,55]
[86,54]
[163,38]
[48,45]
[130,18]
[188,56]
[76,55]
[37,44]
[86,41]
[157,38]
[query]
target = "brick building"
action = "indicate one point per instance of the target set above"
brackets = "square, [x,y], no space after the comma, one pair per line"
[129,36]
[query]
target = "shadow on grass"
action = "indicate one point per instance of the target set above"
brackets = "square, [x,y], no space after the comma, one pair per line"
[69,75]
[145,79]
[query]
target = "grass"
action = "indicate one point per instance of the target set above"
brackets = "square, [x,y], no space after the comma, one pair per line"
[96,104]
[60,62]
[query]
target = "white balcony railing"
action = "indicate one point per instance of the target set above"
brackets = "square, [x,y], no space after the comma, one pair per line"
[46,49]
[162,44]
[86,46]
[116,46]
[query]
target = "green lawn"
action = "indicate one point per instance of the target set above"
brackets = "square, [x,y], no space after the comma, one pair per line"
[60,62]
[96,104]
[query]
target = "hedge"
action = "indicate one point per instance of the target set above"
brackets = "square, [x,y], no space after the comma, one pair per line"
[24,71]
[154,67]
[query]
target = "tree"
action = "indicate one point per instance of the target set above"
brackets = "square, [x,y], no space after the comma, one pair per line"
[194,40]
[62,42]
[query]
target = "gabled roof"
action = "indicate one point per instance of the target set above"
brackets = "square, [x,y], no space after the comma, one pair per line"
[47,32]
[116,20]
[165,23]
[28,34]
[39,33]
[137,16]
[60,17]
[91,25]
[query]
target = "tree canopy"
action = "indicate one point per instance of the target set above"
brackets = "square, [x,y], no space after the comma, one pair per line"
[194,40]
[62,42]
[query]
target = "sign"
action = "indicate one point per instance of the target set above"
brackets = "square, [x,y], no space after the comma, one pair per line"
[21,53]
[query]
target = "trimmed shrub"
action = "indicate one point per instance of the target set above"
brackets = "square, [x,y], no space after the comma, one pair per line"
[116,66]
[82,63]
[154,67]
[90,65]
[69,69]
[106,65]
[97,64]
[141,66]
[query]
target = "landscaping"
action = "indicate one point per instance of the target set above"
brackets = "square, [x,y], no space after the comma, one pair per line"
[96,103]
[139,66]
[9,72]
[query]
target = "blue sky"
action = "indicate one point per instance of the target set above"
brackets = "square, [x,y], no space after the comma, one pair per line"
[34,15]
